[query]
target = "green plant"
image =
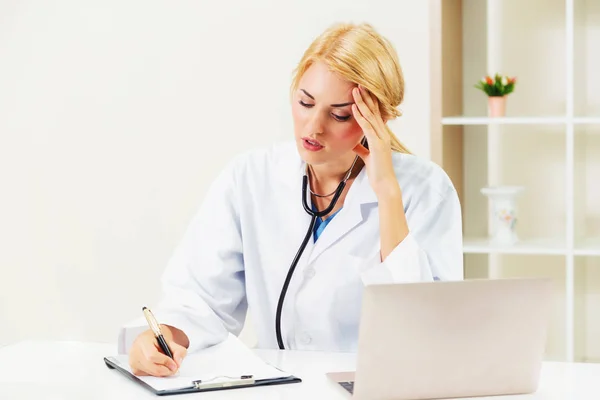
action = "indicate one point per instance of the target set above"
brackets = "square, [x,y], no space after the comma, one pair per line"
[498,86]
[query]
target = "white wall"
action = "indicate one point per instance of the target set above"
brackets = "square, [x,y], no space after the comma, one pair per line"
[115,115]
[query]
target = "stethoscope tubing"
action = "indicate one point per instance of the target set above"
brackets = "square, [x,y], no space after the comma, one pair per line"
[314,215]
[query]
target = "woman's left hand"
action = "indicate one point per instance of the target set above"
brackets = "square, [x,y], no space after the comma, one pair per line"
[378,157]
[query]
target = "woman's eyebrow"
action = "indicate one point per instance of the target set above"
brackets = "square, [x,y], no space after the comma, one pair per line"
[342,104]
[333,105]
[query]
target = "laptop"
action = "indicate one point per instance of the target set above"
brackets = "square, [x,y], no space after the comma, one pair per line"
[437,340]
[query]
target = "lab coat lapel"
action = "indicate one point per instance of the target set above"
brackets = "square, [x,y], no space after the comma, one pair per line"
[351,215]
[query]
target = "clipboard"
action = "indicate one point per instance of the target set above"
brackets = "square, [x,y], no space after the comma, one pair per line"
[198,376]
[198,387]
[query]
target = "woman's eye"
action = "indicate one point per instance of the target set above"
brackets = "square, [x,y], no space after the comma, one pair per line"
[341,118]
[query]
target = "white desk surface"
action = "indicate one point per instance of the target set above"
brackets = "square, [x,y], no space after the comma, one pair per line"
[71,370]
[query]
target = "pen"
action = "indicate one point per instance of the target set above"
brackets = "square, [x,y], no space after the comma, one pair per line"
[157,332]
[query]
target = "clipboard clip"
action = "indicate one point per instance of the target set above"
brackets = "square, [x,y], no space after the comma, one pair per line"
[230,381]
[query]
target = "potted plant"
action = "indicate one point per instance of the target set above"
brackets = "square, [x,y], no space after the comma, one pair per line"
[497,88]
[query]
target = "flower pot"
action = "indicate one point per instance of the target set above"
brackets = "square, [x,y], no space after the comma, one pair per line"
[503,213]
[497,106]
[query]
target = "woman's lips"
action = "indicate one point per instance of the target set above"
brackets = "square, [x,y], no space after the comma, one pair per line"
[311,144]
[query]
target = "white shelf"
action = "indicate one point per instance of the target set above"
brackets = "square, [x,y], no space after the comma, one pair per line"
[504,120]
[587,247]
[586,120]
[520,120]
[545,246]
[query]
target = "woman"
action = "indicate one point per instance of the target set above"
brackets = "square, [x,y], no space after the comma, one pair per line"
[397,219]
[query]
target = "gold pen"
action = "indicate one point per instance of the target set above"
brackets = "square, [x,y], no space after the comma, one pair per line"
[157,332]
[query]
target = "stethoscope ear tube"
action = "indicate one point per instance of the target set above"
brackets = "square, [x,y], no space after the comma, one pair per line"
[309,210]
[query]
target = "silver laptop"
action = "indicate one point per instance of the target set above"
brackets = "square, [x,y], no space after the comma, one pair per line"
[450,339]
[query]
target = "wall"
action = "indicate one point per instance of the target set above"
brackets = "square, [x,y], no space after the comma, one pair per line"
[114,117]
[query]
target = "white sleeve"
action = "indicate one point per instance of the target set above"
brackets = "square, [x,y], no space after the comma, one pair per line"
[203,283]
[431,251]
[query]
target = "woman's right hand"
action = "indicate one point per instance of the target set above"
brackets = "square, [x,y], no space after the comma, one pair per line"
[146,358]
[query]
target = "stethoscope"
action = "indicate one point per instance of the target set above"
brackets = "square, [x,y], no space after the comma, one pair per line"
[314,214]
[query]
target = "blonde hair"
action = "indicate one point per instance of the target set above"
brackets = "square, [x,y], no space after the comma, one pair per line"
[362,56]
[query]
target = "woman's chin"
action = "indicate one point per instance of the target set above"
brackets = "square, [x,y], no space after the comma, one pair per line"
[311,157]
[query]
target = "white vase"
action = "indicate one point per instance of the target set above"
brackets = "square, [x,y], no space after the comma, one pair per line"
[503,213]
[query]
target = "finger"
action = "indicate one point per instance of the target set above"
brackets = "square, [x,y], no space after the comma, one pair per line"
[361,150]
[143,367]
[161,359]
[152,355]
[369,99]
[149,368]
[362,106]
[365,104]
[179,353]
[376,121]
[134,364]
[364,124]
[137,369]
[366,112]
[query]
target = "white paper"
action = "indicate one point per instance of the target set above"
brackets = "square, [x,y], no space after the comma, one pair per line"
[226,361]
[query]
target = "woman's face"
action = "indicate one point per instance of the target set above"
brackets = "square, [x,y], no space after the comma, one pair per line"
[324,127]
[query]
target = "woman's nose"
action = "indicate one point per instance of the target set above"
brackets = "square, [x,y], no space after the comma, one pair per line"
[316,124]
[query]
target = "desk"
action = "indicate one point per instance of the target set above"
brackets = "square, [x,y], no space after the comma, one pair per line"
[71,370]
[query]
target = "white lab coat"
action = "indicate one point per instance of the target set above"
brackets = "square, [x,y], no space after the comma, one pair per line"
[236,253]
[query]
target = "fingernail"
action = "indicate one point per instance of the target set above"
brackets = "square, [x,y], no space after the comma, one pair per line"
[179,360]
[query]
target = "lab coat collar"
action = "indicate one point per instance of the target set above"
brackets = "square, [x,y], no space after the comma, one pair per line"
[360,192]
[360,196]
[351,215]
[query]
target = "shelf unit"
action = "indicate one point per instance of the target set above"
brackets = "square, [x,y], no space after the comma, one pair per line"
[519,120]
[532,246]
[503,120]
[548,142]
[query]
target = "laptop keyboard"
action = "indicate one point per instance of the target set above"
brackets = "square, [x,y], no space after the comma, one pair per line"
[349,386]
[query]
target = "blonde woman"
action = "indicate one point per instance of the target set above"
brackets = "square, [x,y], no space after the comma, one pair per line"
[292,233]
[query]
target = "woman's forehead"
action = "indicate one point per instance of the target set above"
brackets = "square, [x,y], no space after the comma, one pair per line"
[324,84]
